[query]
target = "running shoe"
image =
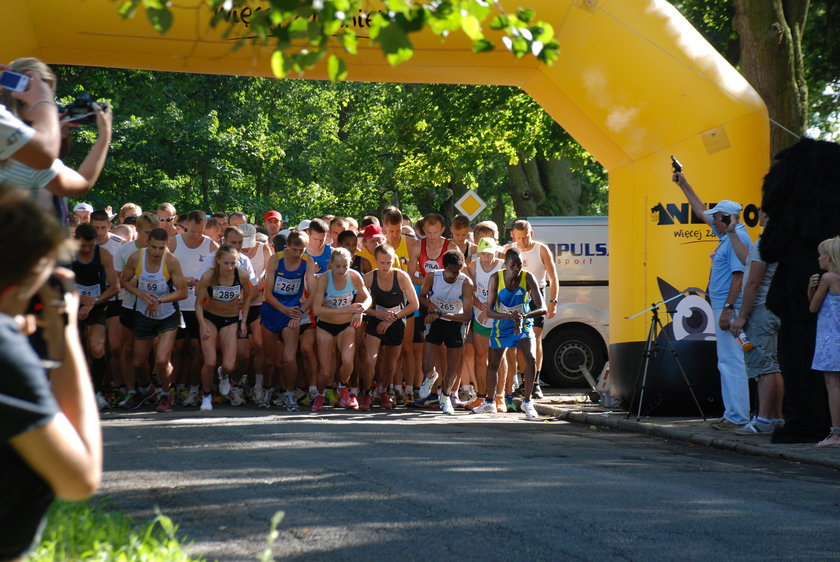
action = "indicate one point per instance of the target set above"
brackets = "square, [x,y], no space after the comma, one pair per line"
[236,396]
[101,403]
[277,399]
[475,403]
[429,403]
[165,403]
[500,405]
[265,398]
[354,402]
[485,408]
[387,401]
[137,398]
[307,399]
[510,404]
[466,394]
[428,385]
[291,403]
[364,403]
[192,397]
[537,392]
[299,394]
[318,403]
[399,398]
[408,398]
[530,411]
[446,405]
[257,394]
[332,397]
[344,401]
[207,403]
[756,427]
[456,401]
[224,383]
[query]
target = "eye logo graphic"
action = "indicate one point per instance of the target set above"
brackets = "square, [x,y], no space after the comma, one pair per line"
[691,316]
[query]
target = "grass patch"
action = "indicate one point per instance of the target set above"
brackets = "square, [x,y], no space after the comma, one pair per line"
[95,530]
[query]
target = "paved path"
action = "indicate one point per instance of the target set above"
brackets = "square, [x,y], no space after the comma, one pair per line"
[418,485]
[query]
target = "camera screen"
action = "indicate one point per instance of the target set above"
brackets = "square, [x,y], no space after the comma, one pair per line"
[13,81]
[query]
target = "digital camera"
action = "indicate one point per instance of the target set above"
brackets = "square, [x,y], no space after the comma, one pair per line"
[81,110]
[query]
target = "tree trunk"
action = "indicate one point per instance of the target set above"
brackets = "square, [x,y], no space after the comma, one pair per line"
[498,216]
[544,187]
[771,60]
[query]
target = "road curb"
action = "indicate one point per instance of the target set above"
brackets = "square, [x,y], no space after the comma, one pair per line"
[620,422]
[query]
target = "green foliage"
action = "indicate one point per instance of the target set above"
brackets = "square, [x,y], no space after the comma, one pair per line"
[312,148]
[92,531]
[266,555]
[302,31]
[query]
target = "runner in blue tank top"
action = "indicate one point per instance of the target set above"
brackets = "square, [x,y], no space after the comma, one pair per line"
[513,300]
[285,316]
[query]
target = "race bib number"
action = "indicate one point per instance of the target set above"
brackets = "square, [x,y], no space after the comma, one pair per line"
[226,294]
[287,287]
[149,286]
[89,290]
[448,306]
[483,292]
[512,309]
[338,301]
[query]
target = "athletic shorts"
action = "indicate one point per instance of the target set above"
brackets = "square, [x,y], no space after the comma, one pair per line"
[127,317]
[762,330]
[113,308]
[480,330]
[189,326]
[392,337]
[419,326]
[98,315]
[253,313]
[220,321]
[333,329]
[146,328]
[446,332]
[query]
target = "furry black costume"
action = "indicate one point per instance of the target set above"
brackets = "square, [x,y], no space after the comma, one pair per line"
[801,196]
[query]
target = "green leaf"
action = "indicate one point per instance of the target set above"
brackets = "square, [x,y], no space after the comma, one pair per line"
[278,64]
[482,46]
[395,44]
[160,18]
[336,68]
[349,41]
[525,14]
[472,27]
[500,22]
[128,8]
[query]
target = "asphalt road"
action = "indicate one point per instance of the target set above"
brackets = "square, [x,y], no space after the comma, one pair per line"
[415,485]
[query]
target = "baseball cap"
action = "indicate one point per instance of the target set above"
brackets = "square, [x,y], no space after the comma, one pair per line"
[727,207]
[273,215]
[249,235]
[487,245]
[304,224]
[373,231]
[83,207]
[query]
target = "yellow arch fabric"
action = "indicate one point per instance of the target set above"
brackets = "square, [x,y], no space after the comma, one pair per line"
[634,83]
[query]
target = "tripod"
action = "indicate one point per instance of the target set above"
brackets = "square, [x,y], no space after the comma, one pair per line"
[650,349]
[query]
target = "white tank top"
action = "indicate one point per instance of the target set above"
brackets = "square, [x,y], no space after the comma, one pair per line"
[448,297]
[156,283]
[482,284]
[192,261]
[113,245]
[532,262]
[258,263]
[123,254]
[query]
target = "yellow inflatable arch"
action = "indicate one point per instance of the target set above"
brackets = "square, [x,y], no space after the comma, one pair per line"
[635,83]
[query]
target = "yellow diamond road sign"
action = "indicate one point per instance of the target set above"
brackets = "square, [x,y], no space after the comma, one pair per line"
[471,204]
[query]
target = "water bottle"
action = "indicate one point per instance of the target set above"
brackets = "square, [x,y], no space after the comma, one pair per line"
[746,344]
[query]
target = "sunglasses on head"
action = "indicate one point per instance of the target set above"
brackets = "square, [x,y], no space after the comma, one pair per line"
[168,219]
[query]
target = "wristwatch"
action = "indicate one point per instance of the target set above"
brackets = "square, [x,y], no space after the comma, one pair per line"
[553,301]
[728,305]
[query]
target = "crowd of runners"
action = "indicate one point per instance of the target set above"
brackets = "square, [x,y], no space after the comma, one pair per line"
[195,310]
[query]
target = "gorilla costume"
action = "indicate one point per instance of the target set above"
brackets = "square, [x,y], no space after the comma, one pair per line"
[801,196]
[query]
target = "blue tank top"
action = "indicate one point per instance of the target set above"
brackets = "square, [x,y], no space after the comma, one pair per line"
[507,301]
[323,260]
[288,285]
[338,298]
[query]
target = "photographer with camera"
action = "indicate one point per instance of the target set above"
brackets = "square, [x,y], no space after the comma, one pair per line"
[51,440]
[56,180]
[35,146]
[725,293]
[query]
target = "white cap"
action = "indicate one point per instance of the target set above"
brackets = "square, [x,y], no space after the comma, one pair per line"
[249,235]
[87,207]
[304,224]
